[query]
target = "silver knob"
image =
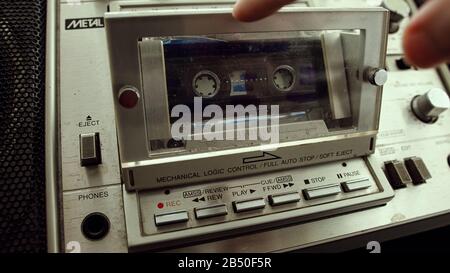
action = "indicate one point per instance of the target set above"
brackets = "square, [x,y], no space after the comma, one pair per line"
[429,106]
[376,76]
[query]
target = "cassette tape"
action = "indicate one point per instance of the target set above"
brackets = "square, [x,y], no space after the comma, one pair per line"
[201,97]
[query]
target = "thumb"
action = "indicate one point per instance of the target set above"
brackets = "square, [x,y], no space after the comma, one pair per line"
[426,40]
[252,10]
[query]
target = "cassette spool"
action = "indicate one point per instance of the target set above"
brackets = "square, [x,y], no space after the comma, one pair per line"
[314,65]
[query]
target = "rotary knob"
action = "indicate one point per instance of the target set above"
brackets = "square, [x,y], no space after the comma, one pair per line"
[399,10]
[376,76]
[429,106]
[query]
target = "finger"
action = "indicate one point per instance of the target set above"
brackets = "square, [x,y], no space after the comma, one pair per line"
[252,10]
[426,40]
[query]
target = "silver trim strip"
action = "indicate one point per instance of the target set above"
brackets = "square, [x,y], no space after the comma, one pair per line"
[336,75]
[151,55]
[50,132]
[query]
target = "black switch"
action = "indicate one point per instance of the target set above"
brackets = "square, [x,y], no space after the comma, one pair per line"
[419,3]
[397,174]
[90,152]
[402,64]
[417,170]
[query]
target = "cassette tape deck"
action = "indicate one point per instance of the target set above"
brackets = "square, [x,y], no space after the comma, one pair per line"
[307,82]
[313,83]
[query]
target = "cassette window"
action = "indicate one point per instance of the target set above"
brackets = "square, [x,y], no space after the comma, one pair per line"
[309,77]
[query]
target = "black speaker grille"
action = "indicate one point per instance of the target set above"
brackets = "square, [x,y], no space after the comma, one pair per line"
[22,180]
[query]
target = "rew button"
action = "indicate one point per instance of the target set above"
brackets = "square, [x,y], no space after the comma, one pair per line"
[209,212]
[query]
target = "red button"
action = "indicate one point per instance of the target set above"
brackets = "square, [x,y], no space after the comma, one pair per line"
[128,97]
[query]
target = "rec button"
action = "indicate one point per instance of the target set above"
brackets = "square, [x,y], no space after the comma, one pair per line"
[171,218]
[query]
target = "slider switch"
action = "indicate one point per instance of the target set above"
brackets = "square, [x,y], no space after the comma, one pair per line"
[417,170]
[397,174]
[402,64]
[90,152]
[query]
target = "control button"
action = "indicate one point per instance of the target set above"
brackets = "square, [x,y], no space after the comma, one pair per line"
[356,185]
[171,218]
[429,106]
[402,64]
[376,76]
[241,206]
[321,192]
[95,226]
[90,152]
[399,10]
[282,199]
[128,97]
[208,212]
[397,174]
[417,170]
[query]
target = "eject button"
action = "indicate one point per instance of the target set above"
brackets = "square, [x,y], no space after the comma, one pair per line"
[90,152]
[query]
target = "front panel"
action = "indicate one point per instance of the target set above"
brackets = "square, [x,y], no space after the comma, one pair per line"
[302,191]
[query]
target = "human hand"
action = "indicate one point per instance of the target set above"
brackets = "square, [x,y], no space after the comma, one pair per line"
[426,40]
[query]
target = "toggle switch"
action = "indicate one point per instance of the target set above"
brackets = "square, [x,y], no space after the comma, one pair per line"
[417,170]
[90,152]
[397,174]
[402,64]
